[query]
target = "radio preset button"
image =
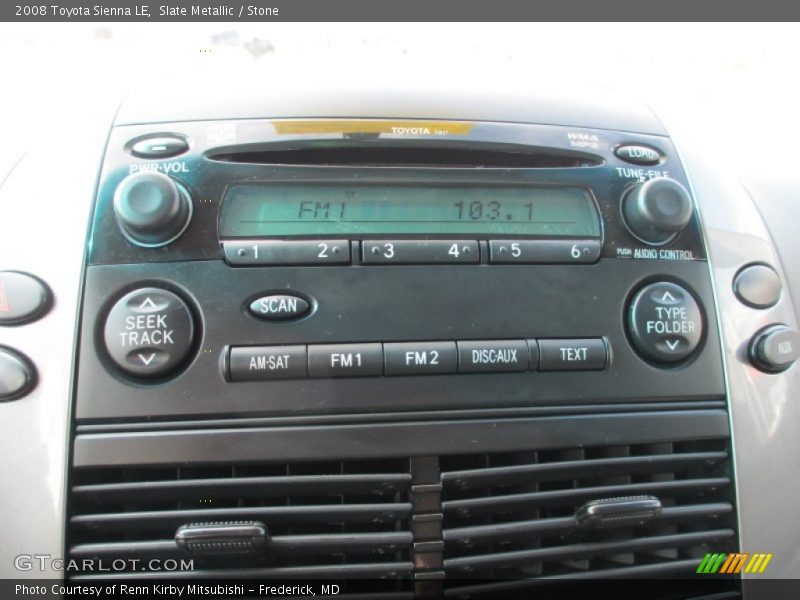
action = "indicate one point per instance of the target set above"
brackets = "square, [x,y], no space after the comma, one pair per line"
[665,322]
[572,355]
[279,252]
[492,356]
[411,252]
[149,332]
[259,363]
[420,358]
[638,154]
[543,251]
[345,360]
[278,307]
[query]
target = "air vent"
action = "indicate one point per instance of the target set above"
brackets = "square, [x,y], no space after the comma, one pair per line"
[336,519]
[517,515]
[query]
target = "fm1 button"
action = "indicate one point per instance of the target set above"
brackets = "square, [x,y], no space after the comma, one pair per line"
[149,332]
[345,360]
[665,322]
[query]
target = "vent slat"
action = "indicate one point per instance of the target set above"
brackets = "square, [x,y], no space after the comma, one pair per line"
[322,571]
[582,551]
[578,495]
[346,513]
[540,527]
[246,487]
[286,544]
[665,569]
[539,472]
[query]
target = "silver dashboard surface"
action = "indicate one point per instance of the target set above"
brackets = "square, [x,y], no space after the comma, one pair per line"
[764,412]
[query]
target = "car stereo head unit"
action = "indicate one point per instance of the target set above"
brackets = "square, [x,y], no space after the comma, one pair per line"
[298,266]
[408,349]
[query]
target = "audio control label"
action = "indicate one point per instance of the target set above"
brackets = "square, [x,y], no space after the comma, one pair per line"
[149,332]
[665,322]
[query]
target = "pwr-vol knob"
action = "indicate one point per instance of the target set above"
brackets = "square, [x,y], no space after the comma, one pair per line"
[657,210]
[149,332]
[665,323]
[152,210]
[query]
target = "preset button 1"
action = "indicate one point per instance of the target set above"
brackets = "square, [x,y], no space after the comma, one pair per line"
[280,252]
[420,358]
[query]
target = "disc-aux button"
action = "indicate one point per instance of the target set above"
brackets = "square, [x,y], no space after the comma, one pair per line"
[493,355]
[149,332]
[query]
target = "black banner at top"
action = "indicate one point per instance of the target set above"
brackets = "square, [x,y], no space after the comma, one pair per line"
[397,11]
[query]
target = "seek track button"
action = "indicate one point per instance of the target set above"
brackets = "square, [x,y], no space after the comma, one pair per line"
[149,332]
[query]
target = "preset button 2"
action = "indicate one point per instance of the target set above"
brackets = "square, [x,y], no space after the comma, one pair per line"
[420,358]
[410,252]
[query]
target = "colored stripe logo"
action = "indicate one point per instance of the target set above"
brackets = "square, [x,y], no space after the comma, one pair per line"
[733,563]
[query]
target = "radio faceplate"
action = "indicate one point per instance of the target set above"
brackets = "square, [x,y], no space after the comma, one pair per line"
[523,290]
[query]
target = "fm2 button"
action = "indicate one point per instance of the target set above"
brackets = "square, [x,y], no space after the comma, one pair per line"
[149,332]
[665,322]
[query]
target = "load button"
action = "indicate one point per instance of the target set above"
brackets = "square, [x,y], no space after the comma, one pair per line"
[665,322]
[149,332]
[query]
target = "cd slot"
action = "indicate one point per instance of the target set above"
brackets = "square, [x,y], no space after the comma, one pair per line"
[379,153]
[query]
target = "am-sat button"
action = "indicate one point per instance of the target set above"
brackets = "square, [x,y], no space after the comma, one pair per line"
[572,355]
[492,355]
[257,363]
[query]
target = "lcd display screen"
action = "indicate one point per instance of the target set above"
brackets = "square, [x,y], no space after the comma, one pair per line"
[265,210]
